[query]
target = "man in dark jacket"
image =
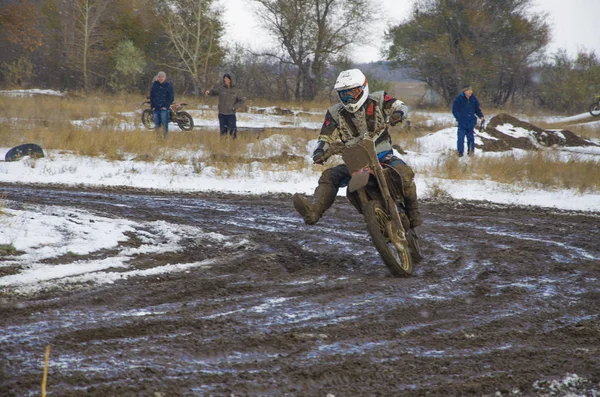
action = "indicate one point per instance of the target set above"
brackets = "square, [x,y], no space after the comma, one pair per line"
[161,98]
[230,100]
[465,107]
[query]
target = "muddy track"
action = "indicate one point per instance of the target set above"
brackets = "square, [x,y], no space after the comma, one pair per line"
[506,299]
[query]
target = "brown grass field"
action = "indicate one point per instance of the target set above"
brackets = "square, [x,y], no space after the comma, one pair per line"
[47,121]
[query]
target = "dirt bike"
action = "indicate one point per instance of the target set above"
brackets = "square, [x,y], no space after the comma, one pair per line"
[595,107]
[375,190]
[176,115]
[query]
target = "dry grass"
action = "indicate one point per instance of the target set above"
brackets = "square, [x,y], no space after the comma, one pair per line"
[7,249]
[46,121]
[542,169]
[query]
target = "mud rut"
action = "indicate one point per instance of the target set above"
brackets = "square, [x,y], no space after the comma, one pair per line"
[504,298]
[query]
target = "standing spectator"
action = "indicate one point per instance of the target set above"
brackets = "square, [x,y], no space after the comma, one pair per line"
[465,107]
[229,101]
[161,98]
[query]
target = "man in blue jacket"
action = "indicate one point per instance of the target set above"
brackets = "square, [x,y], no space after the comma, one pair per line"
[465,107]
[161,99]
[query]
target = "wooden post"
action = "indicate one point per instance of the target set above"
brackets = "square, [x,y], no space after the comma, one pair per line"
[45,378]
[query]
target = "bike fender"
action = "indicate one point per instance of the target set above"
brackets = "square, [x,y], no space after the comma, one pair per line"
[359,180]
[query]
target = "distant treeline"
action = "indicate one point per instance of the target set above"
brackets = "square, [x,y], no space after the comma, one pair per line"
[120,45]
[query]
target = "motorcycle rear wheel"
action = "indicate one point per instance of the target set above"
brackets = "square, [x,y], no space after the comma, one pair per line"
[148,119]
[595,109]
[388,240]
[185,121]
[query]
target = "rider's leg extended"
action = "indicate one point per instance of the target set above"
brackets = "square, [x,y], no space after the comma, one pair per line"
[410,193]
[329,183]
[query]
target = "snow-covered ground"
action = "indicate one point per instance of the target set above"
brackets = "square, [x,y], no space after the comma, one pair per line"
[53,233]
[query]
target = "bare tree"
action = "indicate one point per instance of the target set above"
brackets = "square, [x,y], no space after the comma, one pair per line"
[194,32]
[88,16]
[485,43]
[312,32]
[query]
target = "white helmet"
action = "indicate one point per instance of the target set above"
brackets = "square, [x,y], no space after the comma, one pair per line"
[352,88]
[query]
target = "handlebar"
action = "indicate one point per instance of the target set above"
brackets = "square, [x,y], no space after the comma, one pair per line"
[338,147]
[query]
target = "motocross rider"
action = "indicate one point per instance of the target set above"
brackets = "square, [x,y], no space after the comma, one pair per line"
[358,113]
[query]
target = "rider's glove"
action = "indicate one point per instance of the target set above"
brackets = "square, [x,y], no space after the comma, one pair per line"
[319,152]
[396,117]
[318,156]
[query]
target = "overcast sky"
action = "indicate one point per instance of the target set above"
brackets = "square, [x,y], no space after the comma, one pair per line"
[575,24]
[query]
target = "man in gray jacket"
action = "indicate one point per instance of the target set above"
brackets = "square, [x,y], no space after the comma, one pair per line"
[229,101]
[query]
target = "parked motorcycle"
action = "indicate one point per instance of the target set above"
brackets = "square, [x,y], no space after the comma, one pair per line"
[176,115]
[595,107]
[375,191]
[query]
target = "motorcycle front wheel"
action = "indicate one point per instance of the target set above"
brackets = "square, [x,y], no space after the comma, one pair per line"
[148,119]
[185,121]
[388,240]
[595,109]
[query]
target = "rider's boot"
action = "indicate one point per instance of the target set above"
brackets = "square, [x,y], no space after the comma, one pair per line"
[412,206]
[323,198]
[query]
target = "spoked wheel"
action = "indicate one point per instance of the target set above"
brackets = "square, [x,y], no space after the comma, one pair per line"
[185,121]
[388,239]
[148,119]
[595,109]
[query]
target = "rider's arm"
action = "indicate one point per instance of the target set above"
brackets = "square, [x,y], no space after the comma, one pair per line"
[329,129]
[394,109]
[329,134]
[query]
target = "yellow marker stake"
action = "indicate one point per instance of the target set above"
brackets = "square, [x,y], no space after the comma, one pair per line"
[45,371]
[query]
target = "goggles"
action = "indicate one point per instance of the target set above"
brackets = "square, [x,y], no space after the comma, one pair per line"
[351,94]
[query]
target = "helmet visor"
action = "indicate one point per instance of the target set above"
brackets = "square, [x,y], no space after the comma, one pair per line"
[350,95]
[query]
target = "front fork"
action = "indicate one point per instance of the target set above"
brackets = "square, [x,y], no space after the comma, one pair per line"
[390,205]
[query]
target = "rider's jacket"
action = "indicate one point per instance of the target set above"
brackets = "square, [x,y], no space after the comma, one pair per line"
[368,120]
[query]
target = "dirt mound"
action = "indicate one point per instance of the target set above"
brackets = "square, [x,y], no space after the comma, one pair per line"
[505,132]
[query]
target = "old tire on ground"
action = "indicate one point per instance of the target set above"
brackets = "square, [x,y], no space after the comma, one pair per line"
[595,109]
[148,119]
[388,240]
[27,149]
[185,121]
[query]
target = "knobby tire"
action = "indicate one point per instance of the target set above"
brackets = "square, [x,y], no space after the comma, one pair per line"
[395,255]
